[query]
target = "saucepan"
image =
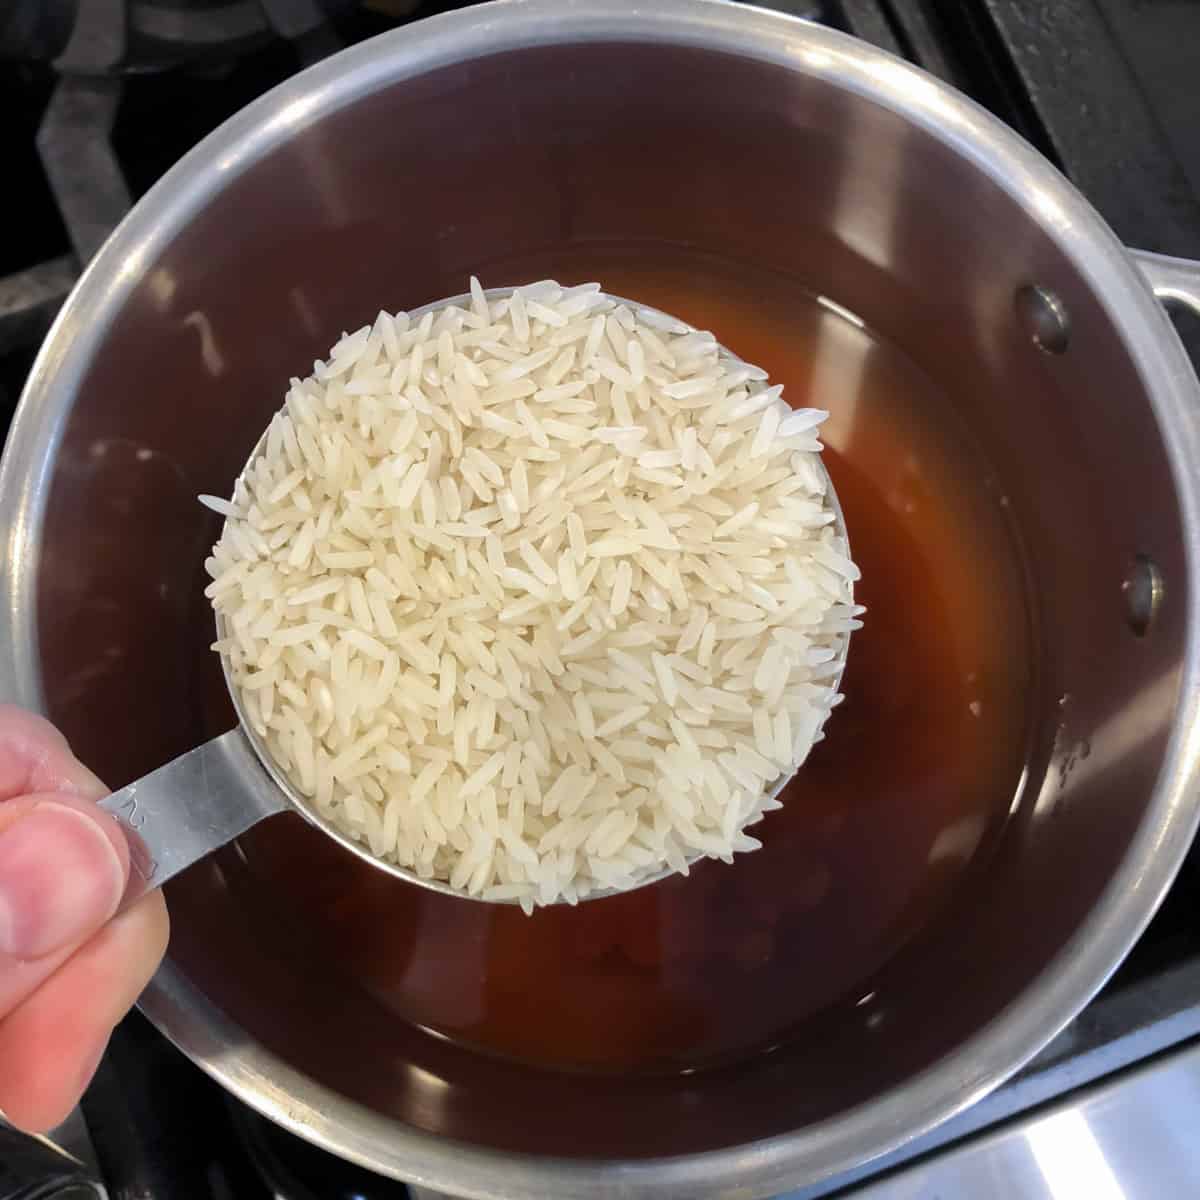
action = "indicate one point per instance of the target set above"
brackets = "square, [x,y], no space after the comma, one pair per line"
[710,159]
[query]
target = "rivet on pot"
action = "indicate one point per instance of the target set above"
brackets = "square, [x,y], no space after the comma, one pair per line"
[1143,592]
[1043,316]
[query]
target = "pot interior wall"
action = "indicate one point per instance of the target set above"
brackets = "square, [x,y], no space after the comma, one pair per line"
[536,162]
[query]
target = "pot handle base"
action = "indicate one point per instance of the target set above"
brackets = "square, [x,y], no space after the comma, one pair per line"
[1173,280]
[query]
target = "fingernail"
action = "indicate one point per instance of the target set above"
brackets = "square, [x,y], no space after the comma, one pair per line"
[81,780]
[88,782]
[60,878]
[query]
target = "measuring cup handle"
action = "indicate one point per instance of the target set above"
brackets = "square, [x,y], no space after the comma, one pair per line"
[194,805]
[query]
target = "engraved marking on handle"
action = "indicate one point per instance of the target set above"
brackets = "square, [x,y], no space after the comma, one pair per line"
[132,817]
[129,812]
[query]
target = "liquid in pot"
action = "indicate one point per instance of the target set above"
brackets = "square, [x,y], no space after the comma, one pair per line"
[918,771]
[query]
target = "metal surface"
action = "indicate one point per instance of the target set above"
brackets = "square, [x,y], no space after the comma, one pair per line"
[97,42]
[916,31]
[1130,1138]
[159,1127]
[870,22]
[1043,317]
[1093,113]
[1135,1123]
[57,1166]
[294,18]
[1174,280]
[1159,44]
[196,28]
[194,805]
[1120,1029]
[886,190]
[79,161]
[30,299]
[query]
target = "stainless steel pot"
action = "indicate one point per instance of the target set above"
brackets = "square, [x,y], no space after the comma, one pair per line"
[501,136]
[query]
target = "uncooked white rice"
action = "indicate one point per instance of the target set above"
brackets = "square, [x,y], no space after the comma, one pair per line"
[538,596]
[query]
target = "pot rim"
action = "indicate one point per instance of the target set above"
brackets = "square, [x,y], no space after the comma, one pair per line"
[765,1167]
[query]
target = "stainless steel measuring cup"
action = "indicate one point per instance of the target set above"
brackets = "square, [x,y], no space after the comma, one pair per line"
[205,798]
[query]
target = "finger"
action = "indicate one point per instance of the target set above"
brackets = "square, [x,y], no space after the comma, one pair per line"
[64,869]
[35,757]
[32,754]
[51,1044]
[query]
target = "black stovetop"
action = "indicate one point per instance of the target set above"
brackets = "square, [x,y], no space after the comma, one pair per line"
[1107,89]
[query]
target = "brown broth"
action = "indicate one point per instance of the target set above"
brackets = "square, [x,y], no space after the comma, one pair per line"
[918,771]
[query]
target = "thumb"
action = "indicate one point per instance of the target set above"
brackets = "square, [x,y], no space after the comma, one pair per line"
[64,865]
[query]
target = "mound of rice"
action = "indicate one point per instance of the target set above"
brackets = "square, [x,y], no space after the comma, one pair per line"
[537,596]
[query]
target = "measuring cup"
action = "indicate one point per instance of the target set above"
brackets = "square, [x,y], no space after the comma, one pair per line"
[205,798]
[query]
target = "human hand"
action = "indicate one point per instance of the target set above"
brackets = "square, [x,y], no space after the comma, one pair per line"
[70,965]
